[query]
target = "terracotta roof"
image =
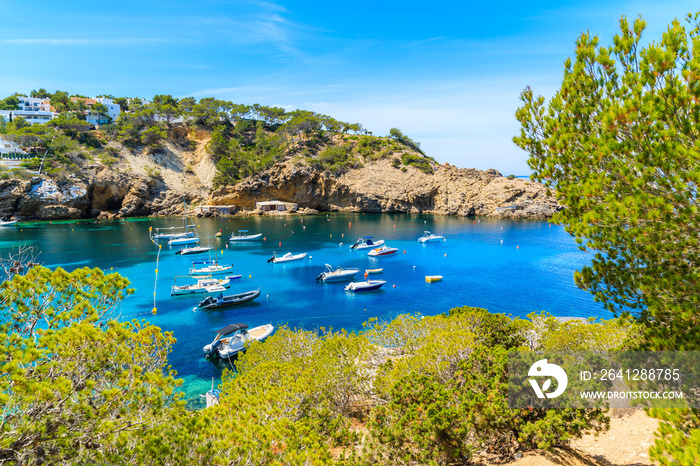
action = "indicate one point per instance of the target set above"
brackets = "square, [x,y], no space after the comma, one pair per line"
[87,101]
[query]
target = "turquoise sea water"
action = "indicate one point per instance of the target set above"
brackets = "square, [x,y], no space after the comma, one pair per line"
[514,267]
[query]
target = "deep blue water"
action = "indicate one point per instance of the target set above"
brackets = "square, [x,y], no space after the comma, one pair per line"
[514,267]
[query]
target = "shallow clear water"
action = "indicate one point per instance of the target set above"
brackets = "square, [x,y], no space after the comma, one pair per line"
[480,261]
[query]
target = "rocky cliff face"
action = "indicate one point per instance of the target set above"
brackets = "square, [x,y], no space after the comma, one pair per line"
[379,187]
[142,184]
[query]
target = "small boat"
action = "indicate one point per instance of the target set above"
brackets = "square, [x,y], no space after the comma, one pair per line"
[286,258]
[169,236]
[183,240]
[211,302]
[366,243]
[7,224]
[430,238]
[337,275]
[371,271]
[433,278]
[368,285]
[213,269]
[203,285]
[186,235]
[226,346]
[194,250]
[382,251]
[243,236]
[211,398]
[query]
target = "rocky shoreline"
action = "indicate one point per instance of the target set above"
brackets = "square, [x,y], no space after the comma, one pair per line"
[378,188]
[141,184]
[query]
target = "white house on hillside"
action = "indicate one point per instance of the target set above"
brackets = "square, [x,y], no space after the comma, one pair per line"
[95,118]
[34,110]
[10,149]
[113,110]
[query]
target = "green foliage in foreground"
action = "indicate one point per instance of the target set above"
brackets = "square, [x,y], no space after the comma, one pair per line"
[75,386]
[620,142]
[79,387]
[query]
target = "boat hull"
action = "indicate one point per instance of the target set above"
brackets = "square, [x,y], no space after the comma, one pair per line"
[433,278]
[210,270]
[199,288]
[231,300]
[369,285]
[285,258]
[195,250]
[368,246]
[181,241]
[382,252]
[233,239]
[344,276]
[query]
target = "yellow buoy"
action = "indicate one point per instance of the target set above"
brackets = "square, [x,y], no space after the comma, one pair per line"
[156,270]
[154,311]
[250,276]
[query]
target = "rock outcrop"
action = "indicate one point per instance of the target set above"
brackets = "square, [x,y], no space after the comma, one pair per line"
[380,187]
[143,184]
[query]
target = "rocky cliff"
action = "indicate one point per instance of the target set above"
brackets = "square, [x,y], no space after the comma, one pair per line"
[380,187]
[137,183]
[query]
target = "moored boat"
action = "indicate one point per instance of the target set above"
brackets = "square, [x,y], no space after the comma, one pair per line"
[366,242]
[243,236]
[7,224]
[286,258]
[433,278]
[183,241]
[203,285]
[371,271]
[211,302]
[194,250]
[337,275]
[430,238]
[382,251]
[368,285]
[213,269]
[225,346]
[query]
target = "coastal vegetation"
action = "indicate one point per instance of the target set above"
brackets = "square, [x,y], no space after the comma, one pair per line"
[244,139]
[81,387]
[619,141]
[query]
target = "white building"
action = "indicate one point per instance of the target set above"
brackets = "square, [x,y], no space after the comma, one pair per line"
[279,206]
[113,110]
[11,150]
[94,118]
[34,104]
[34,110]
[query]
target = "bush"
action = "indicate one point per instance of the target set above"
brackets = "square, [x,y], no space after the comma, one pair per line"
[420,163]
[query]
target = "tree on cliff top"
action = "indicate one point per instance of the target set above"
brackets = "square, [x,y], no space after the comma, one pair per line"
[620,140]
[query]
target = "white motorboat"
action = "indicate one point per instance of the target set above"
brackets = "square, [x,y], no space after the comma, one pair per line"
[243,236]
[338,275]
[7,224]
[213,269]
[194,250]
[382,251]
[430,238]
[183,240]
[203,285]
[225,346]
[286,258]
[366,243]
[368,285]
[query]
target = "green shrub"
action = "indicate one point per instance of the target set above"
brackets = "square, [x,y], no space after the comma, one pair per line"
[420,163]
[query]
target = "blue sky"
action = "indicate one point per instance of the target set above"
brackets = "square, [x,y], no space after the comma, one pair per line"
[447,73]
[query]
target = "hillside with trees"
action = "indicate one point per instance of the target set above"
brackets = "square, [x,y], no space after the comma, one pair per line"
[158,151]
